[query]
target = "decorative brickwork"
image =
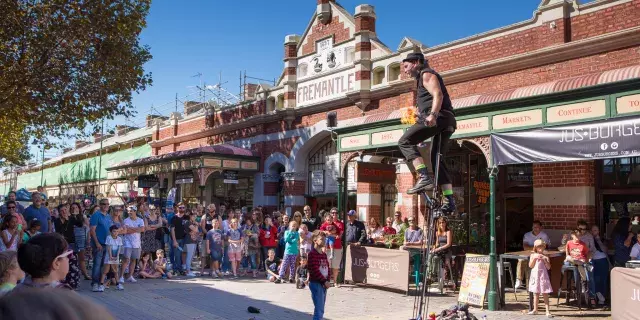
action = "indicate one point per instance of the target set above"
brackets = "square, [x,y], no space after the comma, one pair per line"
[365,23]
[270,188]
[334,28]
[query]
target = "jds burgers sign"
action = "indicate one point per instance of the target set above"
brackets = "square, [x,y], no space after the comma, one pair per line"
[378,267]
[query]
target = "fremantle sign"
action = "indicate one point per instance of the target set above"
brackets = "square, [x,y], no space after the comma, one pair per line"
[593,140]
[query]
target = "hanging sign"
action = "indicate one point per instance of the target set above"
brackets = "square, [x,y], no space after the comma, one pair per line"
[184,177]
[150,181]
[230,177]
[612,138]
[376,173]
[317,181]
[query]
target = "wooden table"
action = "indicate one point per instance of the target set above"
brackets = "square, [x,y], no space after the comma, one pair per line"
[555,257]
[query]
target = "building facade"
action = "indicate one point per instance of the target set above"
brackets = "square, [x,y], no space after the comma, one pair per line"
[569,63]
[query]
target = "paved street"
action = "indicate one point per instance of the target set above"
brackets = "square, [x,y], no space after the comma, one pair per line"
[203,298]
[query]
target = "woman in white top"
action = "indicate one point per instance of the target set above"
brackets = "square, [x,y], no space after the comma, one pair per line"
[375,233]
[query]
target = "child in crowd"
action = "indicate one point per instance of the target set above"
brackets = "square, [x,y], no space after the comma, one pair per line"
[330,233]
[112,257]
[291,251]
[539,282]
[302,278]
[215,247]
[10,272]
[578,255]
[271,265]
[305,240]
[33,230]
[319,274]
[160,264]
[235,246]
[147,268]
[10,233]
[283,224]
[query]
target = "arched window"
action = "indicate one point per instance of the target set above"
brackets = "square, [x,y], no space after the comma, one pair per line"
[271,104]
[378,75]
[280,104]
[350,55]
[319,163]
[302,70]
[394,72]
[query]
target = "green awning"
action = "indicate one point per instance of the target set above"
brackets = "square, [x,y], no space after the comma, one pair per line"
[81,171]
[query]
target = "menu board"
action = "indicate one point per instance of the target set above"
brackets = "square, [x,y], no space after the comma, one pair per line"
[475,277]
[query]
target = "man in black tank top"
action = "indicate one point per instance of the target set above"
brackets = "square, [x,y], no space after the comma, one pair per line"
[436,119]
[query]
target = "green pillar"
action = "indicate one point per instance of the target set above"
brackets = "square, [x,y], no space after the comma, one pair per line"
[493,272]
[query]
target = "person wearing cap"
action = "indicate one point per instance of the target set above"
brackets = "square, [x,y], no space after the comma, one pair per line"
[436,119]
[356,231]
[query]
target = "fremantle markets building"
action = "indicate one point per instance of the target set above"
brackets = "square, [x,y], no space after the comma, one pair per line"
[570,65]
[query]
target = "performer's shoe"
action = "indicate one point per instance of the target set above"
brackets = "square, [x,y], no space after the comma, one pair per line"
[449,207]
[424,184]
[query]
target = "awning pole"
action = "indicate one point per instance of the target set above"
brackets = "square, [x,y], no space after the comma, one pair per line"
[493,172]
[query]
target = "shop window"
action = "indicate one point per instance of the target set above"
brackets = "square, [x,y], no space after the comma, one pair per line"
[620,172]
[394,72]
[378,75]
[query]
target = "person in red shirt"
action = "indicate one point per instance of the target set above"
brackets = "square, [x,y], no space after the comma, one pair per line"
[330,228]
[319,274]
[268,237]
[336,219]
[578,255]
[388,228]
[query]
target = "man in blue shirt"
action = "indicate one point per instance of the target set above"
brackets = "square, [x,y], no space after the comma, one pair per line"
[100,223]
[37,211]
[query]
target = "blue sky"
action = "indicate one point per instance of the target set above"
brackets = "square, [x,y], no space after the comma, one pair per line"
[215,36]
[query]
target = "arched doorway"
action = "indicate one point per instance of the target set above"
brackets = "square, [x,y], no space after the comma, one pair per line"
[276,170]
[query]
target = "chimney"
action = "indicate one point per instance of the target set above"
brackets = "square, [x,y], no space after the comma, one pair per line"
[97,137]
[153,119]
[323,11]
[250,91]
[122,130]
[192,107]
[81,143]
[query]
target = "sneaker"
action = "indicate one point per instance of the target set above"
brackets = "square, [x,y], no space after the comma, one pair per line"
[101,288]
[214,275]
[120,287]
[292,281]
[278,281]
[600,298]
[219,273]
[449,207]
[95,287]
[191,274]
[131,279]
[164,276]
[585,288]
[121,280]
[518,284]
[424,184]
[227,273]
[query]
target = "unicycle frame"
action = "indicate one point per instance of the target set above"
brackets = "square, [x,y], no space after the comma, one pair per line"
[434,212]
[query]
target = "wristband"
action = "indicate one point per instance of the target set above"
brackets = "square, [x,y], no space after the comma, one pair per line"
[435,114]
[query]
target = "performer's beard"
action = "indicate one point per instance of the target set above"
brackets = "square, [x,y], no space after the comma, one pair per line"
[415,72]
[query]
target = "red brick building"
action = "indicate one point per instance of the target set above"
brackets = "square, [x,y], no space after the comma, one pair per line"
[531,74]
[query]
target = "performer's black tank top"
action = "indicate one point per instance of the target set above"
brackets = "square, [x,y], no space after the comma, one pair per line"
[425,99]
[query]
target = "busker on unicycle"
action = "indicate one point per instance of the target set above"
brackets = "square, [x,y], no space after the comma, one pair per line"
[436,119]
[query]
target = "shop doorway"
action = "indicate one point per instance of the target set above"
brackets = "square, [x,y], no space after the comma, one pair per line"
[514,206]
[389,200]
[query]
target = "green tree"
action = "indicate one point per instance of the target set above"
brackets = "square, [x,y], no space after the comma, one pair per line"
[65,65]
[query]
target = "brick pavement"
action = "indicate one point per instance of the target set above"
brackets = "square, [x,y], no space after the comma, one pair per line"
[204,298]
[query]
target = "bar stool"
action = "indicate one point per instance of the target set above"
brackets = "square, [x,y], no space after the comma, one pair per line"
[506,267]
[576,289]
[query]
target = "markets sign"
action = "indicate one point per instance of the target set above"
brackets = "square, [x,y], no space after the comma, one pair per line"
[612,138]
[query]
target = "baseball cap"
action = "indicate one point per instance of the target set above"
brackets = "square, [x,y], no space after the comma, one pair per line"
[351,212]
[414,56]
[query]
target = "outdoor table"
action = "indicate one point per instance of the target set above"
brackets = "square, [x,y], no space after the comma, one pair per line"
[555,257]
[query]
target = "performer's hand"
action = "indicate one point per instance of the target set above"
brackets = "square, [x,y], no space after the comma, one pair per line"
[430,120]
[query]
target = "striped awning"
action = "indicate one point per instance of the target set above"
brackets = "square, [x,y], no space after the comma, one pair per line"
[556,86]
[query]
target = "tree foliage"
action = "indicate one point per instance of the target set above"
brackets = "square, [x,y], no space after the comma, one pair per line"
[65,65]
